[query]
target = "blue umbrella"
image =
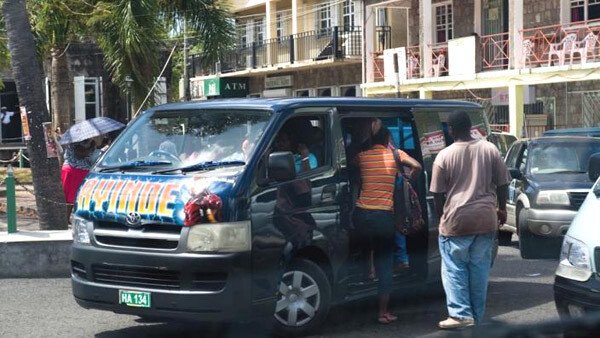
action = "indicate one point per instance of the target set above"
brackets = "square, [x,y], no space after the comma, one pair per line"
[90,128]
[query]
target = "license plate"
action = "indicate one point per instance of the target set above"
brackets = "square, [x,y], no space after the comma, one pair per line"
[134,298]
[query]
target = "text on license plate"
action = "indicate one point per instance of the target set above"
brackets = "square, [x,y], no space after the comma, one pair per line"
[134,298]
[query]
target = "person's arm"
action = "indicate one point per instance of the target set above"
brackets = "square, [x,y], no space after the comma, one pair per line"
[439,199]
[439,188]
[304,157]
[502,196]
[414,165]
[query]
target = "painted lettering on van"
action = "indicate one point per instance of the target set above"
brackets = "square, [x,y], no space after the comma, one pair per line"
[124,196]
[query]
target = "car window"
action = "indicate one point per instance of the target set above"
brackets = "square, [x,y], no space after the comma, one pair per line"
[523,159]
[562,157]
[513,154]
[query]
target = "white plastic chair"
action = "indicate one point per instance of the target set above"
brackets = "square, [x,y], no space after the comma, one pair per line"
[562,49]
[413,64]
[438,64]
[585,46]
[527,51]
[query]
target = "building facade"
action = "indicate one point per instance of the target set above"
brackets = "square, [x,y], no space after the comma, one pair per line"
[533,64]
[287,48]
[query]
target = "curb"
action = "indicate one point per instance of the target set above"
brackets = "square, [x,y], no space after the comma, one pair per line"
[35,254]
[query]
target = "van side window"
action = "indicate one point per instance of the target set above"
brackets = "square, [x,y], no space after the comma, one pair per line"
[306,138]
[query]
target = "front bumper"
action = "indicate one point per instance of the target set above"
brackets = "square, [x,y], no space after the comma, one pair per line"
[549,222]
[584,295]
[199,287]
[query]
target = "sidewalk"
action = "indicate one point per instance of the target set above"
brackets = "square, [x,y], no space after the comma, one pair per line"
[31,252]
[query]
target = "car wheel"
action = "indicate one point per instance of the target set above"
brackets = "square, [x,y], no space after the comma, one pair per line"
[504,238]
[303,299]
[525,237]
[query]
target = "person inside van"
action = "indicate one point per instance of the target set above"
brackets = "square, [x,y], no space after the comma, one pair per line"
[303,158]
[374,215]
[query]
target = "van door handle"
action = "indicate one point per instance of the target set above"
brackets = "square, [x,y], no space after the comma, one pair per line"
[328,193]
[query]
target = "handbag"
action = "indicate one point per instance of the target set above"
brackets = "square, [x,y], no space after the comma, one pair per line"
[407,208]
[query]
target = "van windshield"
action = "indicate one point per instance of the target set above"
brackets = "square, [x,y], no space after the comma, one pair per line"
[173,139]
[562,157]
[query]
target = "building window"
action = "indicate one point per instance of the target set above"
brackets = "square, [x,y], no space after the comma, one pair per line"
[259,31]
[324,92]
[324,19]
[348,14]
[279,25]
[443,22]
[381,19]
[302,93]
[583,10]
[243,34]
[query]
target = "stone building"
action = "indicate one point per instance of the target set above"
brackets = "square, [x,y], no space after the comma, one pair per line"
[287,48]
[533,64]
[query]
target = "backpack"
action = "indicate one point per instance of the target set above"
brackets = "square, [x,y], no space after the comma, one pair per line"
[407,208]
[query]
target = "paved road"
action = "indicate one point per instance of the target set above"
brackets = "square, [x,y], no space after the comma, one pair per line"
[520,292]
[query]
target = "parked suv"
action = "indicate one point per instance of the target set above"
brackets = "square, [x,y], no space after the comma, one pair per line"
[549,185]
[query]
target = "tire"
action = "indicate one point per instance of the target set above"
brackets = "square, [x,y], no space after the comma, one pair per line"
[304,288]
[504,238]
[526,245]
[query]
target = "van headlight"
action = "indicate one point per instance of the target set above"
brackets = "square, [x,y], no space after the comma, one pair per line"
[553,197]
[80,229]
[574,260]
[219,237]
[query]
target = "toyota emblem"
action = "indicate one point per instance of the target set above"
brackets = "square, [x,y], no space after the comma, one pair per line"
[133,219]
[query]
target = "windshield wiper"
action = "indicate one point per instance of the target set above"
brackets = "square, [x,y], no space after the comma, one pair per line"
[569,172]
[136,164]
[202,166]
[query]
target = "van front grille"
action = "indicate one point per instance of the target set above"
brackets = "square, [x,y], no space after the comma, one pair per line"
[147,236]
[136,276]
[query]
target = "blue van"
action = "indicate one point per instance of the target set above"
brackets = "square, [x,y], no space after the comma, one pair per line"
[196,212]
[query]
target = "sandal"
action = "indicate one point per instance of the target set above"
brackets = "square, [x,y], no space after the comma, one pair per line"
[387,318]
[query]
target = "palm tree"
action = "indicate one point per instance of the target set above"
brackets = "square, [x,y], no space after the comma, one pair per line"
[27,71]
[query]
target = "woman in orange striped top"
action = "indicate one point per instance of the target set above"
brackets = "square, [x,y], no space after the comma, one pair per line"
[374,212]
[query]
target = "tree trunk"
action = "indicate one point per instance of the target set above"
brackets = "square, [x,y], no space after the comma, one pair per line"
[27,71]
[60,88]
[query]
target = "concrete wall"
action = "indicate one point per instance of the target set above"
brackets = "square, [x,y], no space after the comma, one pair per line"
[537,13]
[568,100]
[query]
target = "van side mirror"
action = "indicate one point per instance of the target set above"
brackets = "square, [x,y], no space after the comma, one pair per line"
[594,167]
[515,173]
[281,166]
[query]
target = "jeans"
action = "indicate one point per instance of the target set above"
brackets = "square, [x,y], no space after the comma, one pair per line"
[466,263]
[401,251]
[376,228]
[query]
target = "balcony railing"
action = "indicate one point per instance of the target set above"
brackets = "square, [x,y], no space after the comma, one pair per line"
[561,44]
[330,43]
[494,51]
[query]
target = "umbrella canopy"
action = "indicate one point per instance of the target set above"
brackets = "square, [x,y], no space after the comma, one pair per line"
[90,128]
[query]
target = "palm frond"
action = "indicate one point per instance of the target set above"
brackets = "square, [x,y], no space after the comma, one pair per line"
[129,34]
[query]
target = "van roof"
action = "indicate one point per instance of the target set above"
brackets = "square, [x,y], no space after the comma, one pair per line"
[282,103]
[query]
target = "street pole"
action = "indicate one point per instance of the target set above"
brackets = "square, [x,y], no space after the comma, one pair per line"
[186,79]
[11,204]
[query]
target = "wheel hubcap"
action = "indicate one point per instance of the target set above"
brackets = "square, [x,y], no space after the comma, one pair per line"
[299,299]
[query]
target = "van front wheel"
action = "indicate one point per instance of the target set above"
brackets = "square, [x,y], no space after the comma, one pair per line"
[303,299]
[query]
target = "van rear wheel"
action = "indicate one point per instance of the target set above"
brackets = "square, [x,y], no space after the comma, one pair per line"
[303,299]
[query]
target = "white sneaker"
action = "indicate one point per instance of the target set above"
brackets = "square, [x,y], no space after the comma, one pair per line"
[455,323]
